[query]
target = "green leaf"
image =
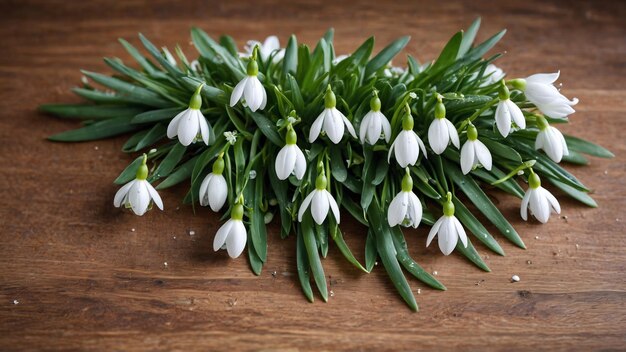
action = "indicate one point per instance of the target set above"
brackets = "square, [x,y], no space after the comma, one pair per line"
[290,60]
[156,115]
[137,93]
[411,265]
[371,253]
[481,49]
[339,171]
[88,112]
[468,38]
[98,130]
[101,97]
[448,54]
[215,95]
[471,254]
[575,158]
[387,253]
[141,60]
[472,224]
[303,267]
[129,172]
[306,227]
[483,203]
[502,151]
[586,147]
[385,55]
[343,248]
[158,55]
[256,264]
[258,231]
[267,128]
[170,161]
[580,196]
[156,133]
[181,173]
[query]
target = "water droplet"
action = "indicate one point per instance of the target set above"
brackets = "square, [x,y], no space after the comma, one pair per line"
[16,302]
[252,174]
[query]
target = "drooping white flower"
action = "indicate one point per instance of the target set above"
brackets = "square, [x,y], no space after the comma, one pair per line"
[492,74]
[320,201]
[507,111]
[138,193]
[290,159]
[374,123]
[441,131]
[231,137]
[250,88]
[214,190]
[448,229]
[168,56]
[331,121]
[539,200]
[405,209]
[339,58]
[266,48]
[190,125]
[540,90]
[232,236]
[551,140]
[406,147]
[474,152]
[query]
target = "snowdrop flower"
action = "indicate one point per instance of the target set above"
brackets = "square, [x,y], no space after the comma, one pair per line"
[374,122]
[320,201]
[331,121]
[190,125]
[448,229]
[540,90]
[250,88]
[231,137]
[441,131]
[405,208]
[492,74]
[474,152]
[539,200]
[214,190]
[407,144]
[507,111]
[339,58]
[290,159]
[266,48]
[232,236]
[551,140]
[138,193]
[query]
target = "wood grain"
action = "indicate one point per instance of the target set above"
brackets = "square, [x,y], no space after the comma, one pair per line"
[78,274]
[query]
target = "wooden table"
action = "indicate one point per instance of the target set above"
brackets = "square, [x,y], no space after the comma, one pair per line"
[76,273]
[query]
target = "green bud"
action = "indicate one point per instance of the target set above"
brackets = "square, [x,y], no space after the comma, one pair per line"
[218,165]
[320,182]
[291,137]
[518,83]
[237,212]
[533,180]
[503,92]
[330,100]
[375,103]
[407,182]
[542,123]
[448,206]
[472,133]
[253,67]
[440,110]
[196,99]
[142,171]
[407,120]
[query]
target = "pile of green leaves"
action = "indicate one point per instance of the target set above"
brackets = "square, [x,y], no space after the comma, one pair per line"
[139,101]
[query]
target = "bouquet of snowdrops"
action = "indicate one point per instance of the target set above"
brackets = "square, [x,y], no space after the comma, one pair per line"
[304,134]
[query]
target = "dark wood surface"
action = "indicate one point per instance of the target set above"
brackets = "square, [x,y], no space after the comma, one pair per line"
[76,273]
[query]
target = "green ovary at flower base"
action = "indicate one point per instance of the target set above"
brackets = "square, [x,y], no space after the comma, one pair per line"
[229,125]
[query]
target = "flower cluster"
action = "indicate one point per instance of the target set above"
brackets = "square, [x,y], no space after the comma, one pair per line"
[273,130]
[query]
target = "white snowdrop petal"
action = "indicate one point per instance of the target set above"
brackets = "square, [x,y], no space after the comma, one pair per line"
[121,194]
[415,208]
[218,192]
[364,128]
[434,230]
[447,236]
[348,124]
[552,200]
[204,187]
[467,157]
[252,94]
[438,136]
[187,129]
[334,125]
[421,145]
[222,234]
[374,129]
[156,198]
[524,207]
[539,206]
[236,240]
[319,207]
[460,231]
[386,127]
[172,128]
[452,132]
[543,78]
[305,204]
[516,114]
[285,162]
[204,127]
[397,209]
[483,154]
[300,167]
[271,43]
[503,119]
[316,127]
[238,91]
[139,198]
[391,149]
[539,141]
[333,206]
